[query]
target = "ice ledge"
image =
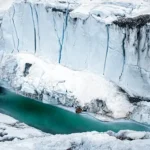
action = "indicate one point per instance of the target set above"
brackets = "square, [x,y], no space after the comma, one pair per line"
[100,9]
[135,22]
[55,84]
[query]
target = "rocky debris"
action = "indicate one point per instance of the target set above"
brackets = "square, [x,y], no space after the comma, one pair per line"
[99,106]
[78,109]
[137,99]
[26,69]
[135,22]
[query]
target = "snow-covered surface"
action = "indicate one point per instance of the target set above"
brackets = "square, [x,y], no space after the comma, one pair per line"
[5,4]
[55,84]
[60,85]
[13,130]
[76,34]
[101,10]
[56,32]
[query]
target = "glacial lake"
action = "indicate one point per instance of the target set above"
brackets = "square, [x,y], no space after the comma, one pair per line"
[55,120]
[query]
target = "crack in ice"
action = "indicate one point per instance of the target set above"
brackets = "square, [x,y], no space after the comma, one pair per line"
[34,28]
[107,30]
[63,32]
[124,54]
[38,30]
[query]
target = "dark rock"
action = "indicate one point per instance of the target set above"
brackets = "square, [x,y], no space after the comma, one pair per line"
[26,69]
[85,108]
[137,99]
[64,11]
[78,109]
[131,23]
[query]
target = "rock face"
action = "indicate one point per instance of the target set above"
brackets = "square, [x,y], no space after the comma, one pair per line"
[88,36]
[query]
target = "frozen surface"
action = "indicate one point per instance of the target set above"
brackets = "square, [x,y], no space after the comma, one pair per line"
[13,130]
[56,84]
[60,52]
[84,36]
[141,113]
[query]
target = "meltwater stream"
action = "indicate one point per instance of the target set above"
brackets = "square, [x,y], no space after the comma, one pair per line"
[56,120]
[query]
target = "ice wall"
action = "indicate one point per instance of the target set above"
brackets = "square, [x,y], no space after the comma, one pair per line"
[118,50]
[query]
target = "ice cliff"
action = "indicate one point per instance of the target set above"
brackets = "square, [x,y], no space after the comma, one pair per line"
[110,38]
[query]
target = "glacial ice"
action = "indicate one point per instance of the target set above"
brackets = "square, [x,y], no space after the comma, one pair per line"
[72,45]
[89,36]
[55,84]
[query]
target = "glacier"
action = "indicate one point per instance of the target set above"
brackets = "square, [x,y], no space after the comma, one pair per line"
[93,54]
[55,84]
[85,36]
[78,52]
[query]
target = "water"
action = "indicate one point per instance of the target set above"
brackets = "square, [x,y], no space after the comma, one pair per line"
[56,120]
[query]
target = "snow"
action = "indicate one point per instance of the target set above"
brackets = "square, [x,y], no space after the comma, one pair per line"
[13,130]
[84,38]
[5,5]
[85,8]
[75,53]
[82,141]
[66,86]
[78,57]
[131,135]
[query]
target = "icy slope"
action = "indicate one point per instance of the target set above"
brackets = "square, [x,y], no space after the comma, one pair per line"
[55,84]
[110,38]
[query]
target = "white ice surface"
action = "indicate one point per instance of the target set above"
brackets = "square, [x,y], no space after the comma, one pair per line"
[79,141]
[63,84]
[82,39]
[11,129]
[141,113]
